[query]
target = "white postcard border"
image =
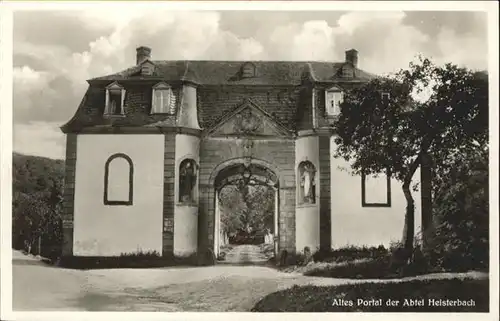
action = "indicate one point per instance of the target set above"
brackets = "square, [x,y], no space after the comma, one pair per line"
[6,67]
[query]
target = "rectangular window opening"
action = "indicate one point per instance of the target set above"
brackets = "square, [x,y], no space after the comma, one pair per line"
[333,101]
[376,190]
[163,102]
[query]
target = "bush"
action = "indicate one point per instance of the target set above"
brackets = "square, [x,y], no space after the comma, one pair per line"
[350,253]
[460,241]
[373,269]
[373,263]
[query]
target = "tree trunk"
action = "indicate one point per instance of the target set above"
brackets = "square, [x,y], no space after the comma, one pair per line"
[409,227]
[426,200]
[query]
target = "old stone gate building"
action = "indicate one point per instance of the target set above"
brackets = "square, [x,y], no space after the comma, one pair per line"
[149,148]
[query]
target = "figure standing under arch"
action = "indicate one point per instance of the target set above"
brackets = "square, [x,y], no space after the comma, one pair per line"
[307,185]
[187,180]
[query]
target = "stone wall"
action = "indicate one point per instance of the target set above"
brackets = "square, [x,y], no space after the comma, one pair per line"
[277,154]
[69,194]
[325,192]
[168,194]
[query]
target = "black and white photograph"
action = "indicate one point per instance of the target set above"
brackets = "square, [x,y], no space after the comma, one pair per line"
[253,156]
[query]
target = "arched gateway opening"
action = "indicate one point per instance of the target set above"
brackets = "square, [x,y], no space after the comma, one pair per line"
[256,227]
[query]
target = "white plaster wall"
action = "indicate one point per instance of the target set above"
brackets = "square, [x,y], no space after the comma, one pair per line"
[307,216]
[353,224]
[307,228]
[185,230]
[110,230]
[185,217]
[188,114]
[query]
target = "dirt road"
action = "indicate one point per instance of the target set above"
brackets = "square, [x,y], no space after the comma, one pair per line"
[215,288]
[246,254]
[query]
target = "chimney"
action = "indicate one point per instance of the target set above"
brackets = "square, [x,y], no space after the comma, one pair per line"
[351,56]
[143,54]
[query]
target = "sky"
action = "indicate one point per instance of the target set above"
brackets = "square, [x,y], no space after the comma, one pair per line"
[55,52]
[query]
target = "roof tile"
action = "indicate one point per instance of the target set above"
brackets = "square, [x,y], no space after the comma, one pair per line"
[227,72]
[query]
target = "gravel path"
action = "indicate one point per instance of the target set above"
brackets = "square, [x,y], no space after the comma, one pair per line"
[214,288]
[246,254]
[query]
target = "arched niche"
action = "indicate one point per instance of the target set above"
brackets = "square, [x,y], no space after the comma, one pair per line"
[188,174]
[118,180]
[306,174]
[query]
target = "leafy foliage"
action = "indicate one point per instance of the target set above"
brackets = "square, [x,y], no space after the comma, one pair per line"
[232,209]
[350,253]
[376,132]
[37,184]
[245,207]
[261,203]
[461,213]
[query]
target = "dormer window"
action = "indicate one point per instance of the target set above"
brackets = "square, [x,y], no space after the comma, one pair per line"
[333,98]
[115,96]
[248,70]
[147,68]
[163,101]
[346,72]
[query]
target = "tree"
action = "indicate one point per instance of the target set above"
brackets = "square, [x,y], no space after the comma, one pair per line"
[260,201]
[383,127]
[29,221]
[232,209]
[246,207]
[461,212]
[37,184]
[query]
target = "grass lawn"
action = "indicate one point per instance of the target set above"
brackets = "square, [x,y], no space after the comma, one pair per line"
[376,268]
[412,296]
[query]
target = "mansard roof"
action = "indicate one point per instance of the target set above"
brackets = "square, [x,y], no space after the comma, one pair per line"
[273,85]
[273,73]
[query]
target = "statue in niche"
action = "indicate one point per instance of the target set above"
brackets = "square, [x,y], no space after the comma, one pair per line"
[187,180]
[307,185]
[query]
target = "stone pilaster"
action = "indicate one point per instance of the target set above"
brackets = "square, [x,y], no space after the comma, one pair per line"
[325,191]
[69,194]
[168,194]
[286,219]
[206,217]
